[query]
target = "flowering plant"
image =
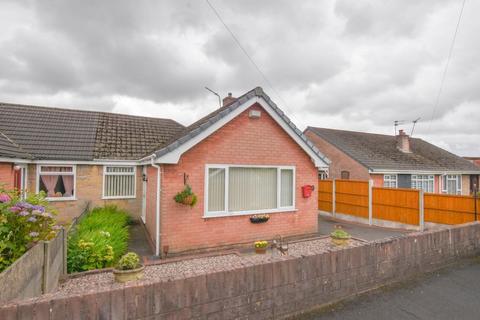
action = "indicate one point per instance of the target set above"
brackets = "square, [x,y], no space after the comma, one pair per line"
[261,244]
[22,224]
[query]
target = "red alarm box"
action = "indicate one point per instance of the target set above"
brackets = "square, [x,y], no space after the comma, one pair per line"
[307,191]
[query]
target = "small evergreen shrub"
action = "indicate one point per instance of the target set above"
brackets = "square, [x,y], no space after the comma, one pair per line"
[129,261]
[340,234]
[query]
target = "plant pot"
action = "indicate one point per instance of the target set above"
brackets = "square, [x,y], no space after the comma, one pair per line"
[261,250]
[128,275]
[188,200]
[340,241]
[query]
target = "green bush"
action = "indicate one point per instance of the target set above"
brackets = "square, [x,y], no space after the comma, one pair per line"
[340,234]
[22,224]
[98,240]
[129,261]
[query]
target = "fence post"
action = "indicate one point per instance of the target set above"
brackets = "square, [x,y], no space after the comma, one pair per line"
[46,266]
[421,196]
[370,202]
[64,245]
[333,197]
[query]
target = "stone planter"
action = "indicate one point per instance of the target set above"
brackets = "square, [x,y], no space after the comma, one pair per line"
[340,241]
[128,275]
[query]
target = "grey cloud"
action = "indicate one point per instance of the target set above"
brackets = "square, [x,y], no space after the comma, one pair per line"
[345,64]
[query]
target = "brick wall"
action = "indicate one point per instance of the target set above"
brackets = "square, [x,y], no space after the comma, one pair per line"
[88,190]
[242,141]
[6,175]
[340,160]
[276,289]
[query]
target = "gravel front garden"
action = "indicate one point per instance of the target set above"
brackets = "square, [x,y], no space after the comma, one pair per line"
[196,266]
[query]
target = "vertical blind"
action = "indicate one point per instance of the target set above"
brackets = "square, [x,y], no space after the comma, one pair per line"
[252,189]
[249,188]
[286,191]
[119,182]
[216,189]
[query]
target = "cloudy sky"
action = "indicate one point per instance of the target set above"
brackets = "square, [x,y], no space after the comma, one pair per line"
[356,65]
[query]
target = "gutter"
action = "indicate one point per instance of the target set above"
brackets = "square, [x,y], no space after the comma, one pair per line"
[157,207]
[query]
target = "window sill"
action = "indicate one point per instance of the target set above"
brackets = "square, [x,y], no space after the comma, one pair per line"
[249,213]
[61,199]
[119,198]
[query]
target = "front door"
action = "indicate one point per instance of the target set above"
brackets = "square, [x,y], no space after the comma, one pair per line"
[20,179]
[144,193]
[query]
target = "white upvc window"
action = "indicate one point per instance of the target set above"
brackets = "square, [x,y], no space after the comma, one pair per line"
[237,189]
[57,181]
[452,184]
[423,182]
[390,181]
[119,182]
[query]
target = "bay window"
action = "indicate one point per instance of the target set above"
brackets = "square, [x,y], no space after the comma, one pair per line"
[119,182]
[423,182]
[248,189]
[57,181]
[452,184]
[390,180]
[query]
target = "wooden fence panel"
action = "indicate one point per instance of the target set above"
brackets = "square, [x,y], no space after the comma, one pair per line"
[325,197]
[399,205]
[351,197]
[450,209]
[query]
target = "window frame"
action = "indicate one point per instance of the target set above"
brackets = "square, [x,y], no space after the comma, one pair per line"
[390,180]
[458,180]
[430,177]
[226,212]
[74,173]
[134,174]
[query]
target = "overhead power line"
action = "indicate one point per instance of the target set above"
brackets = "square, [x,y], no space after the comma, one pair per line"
[444,75]
[255,65]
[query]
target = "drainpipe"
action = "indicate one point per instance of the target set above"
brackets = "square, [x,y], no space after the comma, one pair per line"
[157,208]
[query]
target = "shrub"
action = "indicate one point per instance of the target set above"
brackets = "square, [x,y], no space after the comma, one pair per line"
[340,234]
[98,240]
[129,261]
[22,224]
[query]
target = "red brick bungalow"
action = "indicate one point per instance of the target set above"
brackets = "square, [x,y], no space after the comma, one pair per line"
[394,161]
[245,158]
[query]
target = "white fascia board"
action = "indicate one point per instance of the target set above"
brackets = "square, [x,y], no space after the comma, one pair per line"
[15,160]
[174,156]
[94,162]
[389,171]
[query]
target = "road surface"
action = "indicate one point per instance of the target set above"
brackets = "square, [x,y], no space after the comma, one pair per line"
[451,293]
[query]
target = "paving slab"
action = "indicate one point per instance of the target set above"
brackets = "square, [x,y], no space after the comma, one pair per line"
[369,233]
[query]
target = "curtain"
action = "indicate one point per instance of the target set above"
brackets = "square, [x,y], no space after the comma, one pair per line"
[216,189]
[50,182]
[252,188]
[286,191]
[68,184]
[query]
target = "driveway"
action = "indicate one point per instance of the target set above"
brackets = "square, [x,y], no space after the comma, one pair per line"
[452,293]
[327,224]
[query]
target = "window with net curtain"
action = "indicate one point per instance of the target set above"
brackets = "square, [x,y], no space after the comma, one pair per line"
[237,189]
[119,182]
[57,181]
